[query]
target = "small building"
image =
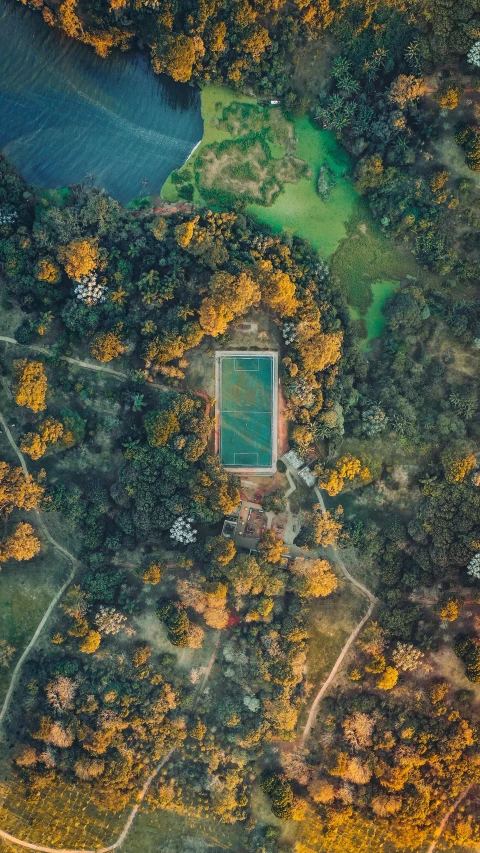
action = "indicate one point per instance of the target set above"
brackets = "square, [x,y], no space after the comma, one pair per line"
[307,476]
[294,460]
[229,529]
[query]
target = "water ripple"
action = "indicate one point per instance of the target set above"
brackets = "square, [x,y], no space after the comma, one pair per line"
[65,112]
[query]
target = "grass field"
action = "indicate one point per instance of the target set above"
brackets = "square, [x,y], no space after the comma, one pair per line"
[246,408]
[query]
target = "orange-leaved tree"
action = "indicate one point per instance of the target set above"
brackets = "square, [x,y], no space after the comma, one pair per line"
[278,289]
[313,578]
[347,468]
[17,490]
[30,384]
[36,443]
[107,346]
[79,257]
[22,544]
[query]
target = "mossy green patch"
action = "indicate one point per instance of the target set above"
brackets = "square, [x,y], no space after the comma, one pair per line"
[373,322]
[366,256]
[299,209]
[215,99]
[248,154]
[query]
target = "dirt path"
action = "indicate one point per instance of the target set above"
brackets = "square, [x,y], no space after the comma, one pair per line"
[356,631]
[339,561]
[100,368]
[55,599]
[446,818]
[326,684]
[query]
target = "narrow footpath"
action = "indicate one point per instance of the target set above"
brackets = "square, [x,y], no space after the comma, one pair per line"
[63,551]
[337,558]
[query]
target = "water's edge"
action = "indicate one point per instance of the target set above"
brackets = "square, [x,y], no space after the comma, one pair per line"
[67,115]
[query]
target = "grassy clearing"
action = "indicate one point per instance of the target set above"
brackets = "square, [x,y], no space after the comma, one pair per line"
[152,831]
[360,836]
[27,589]
[62,816]
[330,621]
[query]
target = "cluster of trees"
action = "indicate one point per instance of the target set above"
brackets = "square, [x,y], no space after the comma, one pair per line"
[256,42]
[98,723]
[409,387]
[18,492]
[389,761]
[158,286]
[261,689]
[376,106]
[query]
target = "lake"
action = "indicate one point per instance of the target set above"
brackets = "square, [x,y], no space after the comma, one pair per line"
[65,113]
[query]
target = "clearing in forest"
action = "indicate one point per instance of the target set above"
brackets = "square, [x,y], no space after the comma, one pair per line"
[246,410]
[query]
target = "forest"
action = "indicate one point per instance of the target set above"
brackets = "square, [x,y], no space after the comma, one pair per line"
[172,655]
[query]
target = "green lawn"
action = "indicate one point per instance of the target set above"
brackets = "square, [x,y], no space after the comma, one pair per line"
[26,591]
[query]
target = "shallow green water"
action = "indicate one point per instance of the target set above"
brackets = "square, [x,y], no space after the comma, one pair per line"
[374,318]
[299,209]
[66,113]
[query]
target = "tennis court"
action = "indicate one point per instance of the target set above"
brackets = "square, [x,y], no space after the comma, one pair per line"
[246,409]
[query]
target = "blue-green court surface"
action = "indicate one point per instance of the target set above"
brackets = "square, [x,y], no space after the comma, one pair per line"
[246,408]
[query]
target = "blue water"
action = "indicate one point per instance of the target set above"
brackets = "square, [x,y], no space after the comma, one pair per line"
[66,114]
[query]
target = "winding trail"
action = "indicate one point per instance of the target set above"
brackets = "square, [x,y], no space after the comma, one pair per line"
[100,368]
[356,630]
[16,673]
[63,551]
[446,818]
[326,684]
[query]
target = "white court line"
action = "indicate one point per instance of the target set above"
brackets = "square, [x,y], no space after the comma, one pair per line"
[245,453]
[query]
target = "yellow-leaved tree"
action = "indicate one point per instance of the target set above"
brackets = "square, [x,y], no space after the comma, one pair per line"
[277,288]
[313,578]
[36,443]
[347,468]
[107,345]
[79,257]
[22,544]
[458,464]
[229,296]
[17,490]
[30,384]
